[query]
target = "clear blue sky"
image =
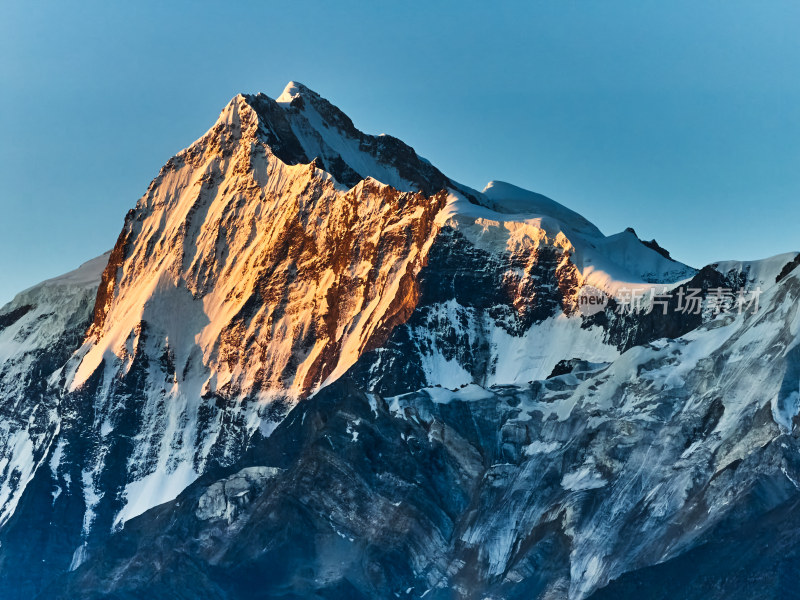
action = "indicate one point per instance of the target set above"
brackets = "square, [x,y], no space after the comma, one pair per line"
[679,118]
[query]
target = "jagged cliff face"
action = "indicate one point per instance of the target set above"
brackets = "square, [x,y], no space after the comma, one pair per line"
[286,251]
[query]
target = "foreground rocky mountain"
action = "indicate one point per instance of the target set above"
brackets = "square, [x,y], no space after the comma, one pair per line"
[313,365]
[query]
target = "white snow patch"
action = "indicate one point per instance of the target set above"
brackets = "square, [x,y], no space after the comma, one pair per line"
[539,447]
[585,478]
[154,489]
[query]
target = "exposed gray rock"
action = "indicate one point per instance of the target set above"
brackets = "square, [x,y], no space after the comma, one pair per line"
[224,499]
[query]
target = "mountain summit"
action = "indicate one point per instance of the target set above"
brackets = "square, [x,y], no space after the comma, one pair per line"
[315,366]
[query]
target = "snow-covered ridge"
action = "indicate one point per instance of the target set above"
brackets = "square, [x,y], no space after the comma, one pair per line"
[36,317]
[326,133]
[529,219]
[759,273]
[39,328]
[301,127]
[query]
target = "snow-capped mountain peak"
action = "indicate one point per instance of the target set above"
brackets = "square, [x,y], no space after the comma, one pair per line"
[306,127]
[285,254]
[290,92]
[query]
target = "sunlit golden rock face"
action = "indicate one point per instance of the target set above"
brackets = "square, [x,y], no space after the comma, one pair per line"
[266,279]
[284,276]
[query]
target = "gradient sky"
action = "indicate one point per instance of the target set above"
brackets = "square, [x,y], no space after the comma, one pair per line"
[681,119]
